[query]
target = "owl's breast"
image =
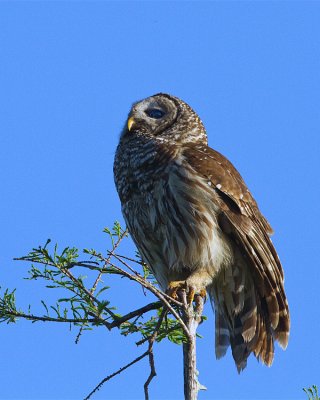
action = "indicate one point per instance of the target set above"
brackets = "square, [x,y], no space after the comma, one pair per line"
[138,167]
[172,217]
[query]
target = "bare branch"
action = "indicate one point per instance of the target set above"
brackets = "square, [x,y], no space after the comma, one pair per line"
[145,354]
[112,253]
[107,260]
[122,262]
[152,372]
[151,356]
[143,281]
[192,318]
[140,311]
[149,353]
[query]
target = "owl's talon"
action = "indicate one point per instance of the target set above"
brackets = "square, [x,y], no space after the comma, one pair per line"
[190,295]
[174,287]
[193,294]
[203,294]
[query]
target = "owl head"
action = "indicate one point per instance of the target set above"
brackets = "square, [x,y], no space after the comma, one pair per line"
[165,117]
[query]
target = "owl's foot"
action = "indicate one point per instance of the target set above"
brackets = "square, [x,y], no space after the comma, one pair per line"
[175,287]
[192,294]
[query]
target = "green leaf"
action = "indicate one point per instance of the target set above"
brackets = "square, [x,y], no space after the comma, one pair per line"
[45,306]
[102,290]
[312,392]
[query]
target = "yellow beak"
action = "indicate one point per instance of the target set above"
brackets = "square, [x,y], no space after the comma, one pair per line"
[130,123]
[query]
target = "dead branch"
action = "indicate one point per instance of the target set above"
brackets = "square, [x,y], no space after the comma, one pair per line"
[145,354]
[151,356]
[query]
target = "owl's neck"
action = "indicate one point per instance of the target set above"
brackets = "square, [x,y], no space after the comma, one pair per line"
[170,137]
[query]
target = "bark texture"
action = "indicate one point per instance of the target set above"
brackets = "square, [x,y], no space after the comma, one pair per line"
[192,318]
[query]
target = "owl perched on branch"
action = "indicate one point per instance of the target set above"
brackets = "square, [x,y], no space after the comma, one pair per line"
[198,227]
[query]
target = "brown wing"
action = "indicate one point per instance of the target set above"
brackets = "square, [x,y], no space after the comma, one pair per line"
[242,221]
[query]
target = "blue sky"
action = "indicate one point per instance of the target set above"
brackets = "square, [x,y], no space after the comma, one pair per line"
[69,72]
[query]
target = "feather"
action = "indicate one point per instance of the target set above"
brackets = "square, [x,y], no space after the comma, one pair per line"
[258,314]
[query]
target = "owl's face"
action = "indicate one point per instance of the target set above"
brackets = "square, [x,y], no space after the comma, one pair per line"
[165,117]
[153,115]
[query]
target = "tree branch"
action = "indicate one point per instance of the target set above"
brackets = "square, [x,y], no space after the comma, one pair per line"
[88,309]
[116,373]
[32,317]
[192,318]
[140,311]
[96,319]
[98,278]
[151,357]
[68,273]
[158,293]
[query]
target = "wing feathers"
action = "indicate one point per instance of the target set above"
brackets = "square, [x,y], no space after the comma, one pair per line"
[250,302]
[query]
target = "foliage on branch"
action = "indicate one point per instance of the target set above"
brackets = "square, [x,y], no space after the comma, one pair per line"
[312,392]
[86,305]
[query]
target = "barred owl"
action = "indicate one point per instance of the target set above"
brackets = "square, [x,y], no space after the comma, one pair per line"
[197,226]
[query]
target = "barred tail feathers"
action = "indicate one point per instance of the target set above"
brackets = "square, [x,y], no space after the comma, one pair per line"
[243,317]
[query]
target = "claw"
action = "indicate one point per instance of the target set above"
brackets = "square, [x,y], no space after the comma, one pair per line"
[175,286]
[203,293]
[200,299]
[190,295]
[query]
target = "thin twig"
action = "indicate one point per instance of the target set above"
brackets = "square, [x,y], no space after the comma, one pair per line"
[81,264]
[136,273]
[149,307]
[151,356]
[136,277]
[158,293]
[87,292]
[95,284]
[108,259]
[116,373]
[124,263]
[96,319]
[149,353]
[124,257]
[140,279]
[52,319]
[169,330]
[66,272]
[180,310]
[152,372]
[53,264]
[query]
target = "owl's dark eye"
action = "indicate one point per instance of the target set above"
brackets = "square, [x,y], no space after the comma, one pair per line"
[154,113]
